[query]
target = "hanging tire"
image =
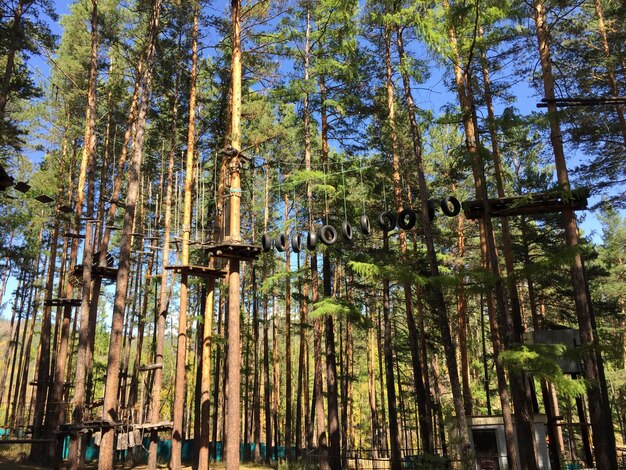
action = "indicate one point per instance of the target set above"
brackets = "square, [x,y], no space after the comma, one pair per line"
[279,242]
[296,242]
[346,230]
[445,208]
[311,241]
[431,209]
[387,221]
[366,227]
[406,219]
[328,235]
[266,242]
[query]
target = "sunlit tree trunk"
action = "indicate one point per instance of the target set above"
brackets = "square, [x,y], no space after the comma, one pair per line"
[599,406]
[155,400]
[105,461]
[181,349]
[520,382]
[334,437]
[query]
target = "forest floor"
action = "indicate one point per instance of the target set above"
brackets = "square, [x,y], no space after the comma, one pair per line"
[9,463]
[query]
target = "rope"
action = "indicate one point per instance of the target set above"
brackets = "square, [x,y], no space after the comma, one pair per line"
[362,184]
[326,198]
[343,182]
[384,196]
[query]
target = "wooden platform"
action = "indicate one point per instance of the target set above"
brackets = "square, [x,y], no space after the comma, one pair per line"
[531,204]
[26,440]
[198,271]
[240,250]
[62,302]
[160,426]
[99,271]
[73,235]
[86,426]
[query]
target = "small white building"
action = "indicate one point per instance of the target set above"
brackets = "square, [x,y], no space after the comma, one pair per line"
[487,434]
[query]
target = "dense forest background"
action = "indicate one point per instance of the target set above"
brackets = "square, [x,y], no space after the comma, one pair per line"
[348,109]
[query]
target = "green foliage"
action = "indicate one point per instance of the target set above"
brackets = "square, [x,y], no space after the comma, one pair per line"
[541,360]
[334,308]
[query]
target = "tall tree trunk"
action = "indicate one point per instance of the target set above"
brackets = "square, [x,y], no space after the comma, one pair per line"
[181,349]
[205,390]
[423,399]
[216,379]
[371,384]
[55,398]
[77,444]
[303,383]
[525,437]
[14,32]
[20,306]
[520,382]
[599,406]
[110,415]
[334,437]
[463,322]
[288,385]
[233,376]
[266,361]
[162,309]
[610,71]
[275,382]
[256,394]
[316,423]
[266,388]
[396,455]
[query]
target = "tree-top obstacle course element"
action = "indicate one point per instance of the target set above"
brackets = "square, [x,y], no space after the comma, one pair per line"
[531,204]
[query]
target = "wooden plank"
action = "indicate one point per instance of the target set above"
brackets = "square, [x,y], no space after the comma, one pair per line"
[24,441]
[150,367]
[198,271]
[531,204]
[239,250]
[161,425]
[73,235]
[62,302]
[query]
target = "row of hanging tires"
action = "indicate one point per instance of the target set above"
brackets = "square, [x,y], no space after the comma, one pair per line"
[328,235]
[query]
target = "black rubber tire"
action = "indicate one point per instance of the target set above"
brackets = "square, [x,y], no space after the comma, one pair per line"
[328,235]
[366,227]
[266,242]
[387,221]
[346,230]
[279,242]
[456,206]
[431,209]
[296,242]
[406,219]
[311,241]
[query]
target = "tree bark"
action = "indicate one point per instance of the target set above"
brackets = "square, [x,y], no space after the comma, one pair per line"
[155,400]
[520,382]
[599,406]
[181,349]
[233,374]
[334,435]
[394,437]
[288,384]
[110,415]
[77,443]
